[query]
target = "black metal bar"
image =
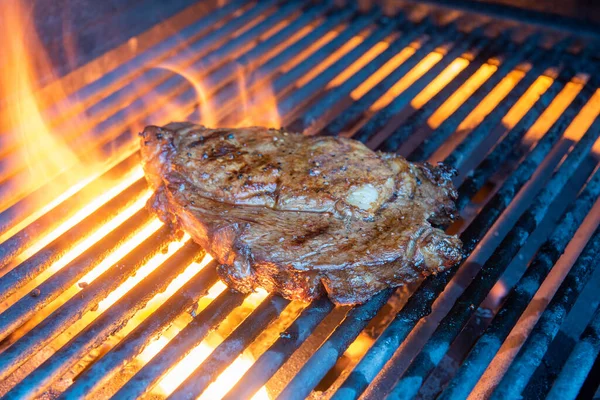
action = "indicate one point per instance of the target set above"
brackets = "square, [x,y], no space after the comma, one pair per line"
[230,348]
[326,356]
[538,341]
[334,95]
[108,323]
[449,126]
[226,99]
[289,341]
[23,273]
[358,25]
[352,113]
[103,370]
[519,297]
[331,23]
[283,83]
[303,94]
[523,173]
[456,49]
[145,379]
[50,289]
[504,11]
[505,153]
[497,46]
[579,363]
[540,62]
[433,352]
[222,75]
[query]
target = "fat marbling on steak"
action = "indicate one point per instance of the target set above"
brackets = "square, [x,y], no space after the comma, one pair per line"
[300,215]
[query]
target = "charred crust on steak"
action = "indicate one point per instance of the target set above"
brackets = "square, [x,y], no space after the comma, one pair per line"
[302,216]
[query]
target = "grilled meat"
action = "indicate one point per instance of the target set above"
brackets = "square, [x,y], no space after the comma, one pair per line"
[301,215]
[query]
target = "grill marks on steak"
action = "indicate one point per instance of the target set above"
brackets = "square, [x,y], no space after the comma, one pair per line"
[301,215]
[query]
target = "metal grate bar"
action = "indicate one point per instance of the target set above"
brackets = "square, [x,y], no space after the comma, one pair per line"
[23,309]
[540,62]
[77,305]
[456,49]
[101,372]
[523,173]
[341,94]
[181,344]
[579,363]
[231,347]
[303,94]
[109,322]
[520,296]
[355,110]
[505,150]
[289,341]
[537,343]
[222,75]
[318,109]
[358,25]
[451,325]
[434,139]
[23,273]
[406,133]
[326,356]
[224,99]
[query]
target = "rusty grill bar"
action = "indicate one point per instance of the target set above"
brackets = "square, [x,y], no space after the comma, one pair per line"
[514,108]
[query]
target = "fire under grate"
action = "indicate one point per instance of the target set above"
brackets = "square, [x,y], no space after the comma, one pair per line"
[98,299]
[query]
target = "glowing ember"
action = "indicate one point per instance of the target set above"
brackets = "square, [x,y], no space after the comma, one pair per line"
[461,95]
[176,375]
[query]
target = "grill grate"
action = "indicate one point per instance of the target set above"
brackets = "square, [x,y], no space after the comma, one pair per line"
[515,109]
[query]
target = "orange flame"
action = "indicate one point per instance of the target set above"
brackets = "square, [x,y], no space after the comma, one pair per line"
[208,114]
[259,106]
[25,64]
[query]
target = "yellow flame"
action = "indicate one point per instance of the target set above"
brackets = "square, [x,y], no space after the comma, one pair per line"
[208,113]
[85,210]
[24,64]
[78,249]
[184,368]
[259,107]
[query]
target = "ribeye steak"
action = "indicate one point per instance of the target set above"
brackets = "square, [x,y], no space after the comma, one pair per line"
[300,215]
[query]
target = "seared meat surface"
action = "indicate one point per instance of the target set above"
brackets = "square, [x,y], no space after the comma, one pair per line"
[301,215]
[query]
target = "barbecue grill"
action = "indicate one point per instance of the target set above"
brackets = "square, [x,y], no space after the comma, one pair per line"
[98,299]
